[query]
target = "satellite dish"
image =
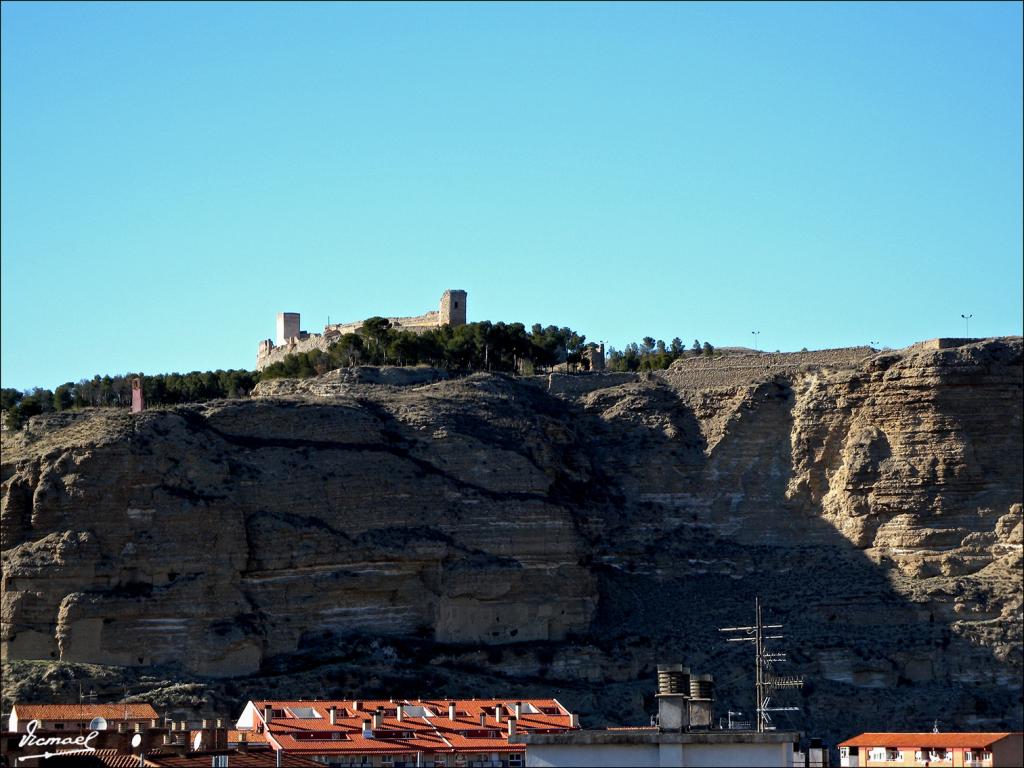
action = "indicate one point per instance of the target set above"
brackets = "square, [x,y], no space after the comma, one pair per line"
[197,740]
[136,740]
[98,724]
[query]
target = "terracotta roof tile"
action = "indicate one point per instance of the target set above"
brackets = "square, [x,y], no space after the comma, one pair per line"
[113,758]
[432,732]
[927,740]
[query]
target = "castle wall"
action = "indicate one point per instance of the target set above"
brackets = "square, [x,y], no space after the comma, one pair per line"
[290,340]
[739,370]
[453,308]
[287,326]
[415,324]
[576,384]
[946,343]
[268,354]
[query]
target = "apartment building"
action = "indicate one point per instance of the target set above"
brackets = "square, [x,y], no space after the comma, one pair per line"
[446,733]
[956,750]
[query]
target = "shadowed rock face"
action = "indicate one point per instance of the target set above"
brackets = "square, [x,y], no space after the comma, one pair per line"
[530,540]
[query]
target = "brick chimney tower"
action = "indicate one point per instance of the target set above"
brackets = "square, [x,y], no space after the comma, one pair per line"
[138,403]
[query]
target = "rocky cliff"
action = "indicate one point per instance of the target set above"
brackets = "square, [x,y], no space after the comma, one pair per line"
[483,535]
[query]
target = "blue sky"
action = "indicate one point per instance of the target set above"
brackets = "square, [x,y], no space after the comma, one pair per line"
[174,175]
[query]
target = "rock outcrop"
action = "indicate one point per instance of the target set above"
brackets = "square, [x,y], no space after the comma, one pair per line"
[548,533]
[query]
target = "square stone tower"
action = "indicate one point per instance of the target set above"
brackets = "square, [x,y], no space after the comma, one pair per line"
[287,326]
[453,308]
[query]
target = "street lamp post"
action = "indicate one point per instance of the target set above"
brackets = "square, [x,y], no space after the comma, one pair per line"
[967,325]
[755,334]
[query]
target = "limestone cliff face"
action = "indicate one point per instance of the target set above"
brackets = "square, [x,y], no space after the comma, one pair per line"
[587,527]
[217,536]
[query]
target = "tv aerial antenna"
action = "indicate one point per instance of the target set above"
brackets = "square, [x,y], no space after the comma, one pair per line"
[766,681]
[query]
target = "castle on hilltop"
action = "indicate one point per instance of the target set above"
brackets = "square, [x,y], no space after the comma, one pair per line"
[290,339]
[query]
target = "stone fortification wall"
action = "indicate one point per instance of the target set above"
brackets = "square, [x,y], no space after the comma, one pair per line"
[741,370]
[710,372]
[416,324]
[574,385]
[269,354]
[453,308]
[947,343]
[290,340]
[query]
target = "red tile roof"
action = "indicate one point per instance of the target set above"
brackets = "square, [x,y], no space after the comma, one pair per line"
[425,726]
[113,758]
[927,740]
[86,712]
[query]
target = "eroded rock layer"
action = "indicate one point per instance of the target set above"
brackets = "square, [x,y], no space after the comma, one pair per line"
[535,534]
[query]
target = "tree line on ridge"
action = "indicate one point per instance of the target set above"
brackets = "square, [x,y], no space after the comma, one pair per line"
[482,346]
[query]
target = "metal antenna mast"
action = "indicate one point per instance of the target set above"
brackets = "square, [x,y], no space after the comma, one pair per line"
[765,680]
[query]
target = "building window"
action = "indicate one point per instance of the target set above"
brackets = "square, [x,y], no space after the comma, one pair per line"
[220,761]
[58,726]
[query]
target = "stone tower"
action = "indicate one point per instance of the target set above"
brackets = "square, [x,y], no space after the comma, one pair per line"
[287,326]
[453,308]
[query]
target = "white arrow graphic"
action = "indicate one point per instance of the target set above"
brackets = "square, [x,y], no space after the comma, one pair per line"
[48,755]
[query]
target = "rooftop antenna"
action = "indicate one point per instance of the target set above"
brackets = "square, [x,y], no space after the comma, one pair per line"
[733,724]
[765,681]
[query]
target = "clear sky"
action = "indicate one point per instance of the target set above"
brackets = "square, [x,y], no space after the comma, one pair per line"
[828,174]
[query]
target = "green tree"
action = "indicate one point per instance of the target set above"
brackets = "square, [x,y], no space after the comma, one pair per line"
[63,397]
[9,398]
[375,329]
